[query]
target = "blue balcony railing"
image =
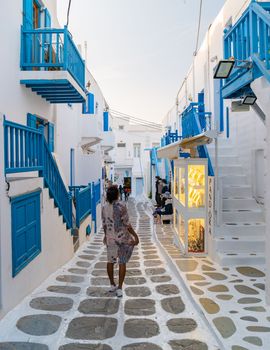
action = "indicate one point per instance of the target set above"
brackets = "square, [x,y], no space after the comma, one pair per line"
[195,120]
[51,49]
[248,41]
[26,149]
[170,137]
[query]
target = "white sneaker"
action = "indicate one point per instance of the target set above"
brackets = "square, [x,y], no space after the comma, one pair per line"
[113,289]
[119,293]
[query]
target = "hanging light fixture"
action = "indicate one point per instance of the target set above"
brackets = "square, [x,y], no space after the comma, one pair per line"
[249,100]
[224,69]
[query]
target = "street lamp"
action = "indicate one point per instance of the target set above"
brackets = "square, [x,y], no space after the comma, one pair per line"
[224,69]
[249,100]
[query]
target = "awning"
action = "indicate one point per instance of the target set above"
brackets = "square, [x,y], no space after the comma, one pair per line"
[172,151]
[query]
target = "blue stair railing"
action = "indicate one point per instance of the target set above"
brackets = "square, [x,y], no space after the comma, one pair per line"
[196,121]
[51,49]
[23,148]
[83,203]
[248,42]
[96,199]
[26,149]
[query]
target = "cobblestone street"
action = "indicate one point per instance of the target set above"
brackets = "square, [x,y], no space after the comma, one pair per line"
[73,309]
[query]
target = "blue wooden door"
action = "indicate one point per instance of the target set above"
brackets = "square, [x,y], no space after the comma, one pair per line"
[26,231]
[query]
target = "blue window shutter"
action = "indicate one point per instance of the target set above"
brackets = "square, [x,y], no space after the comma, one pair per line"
[28,14]
[26,230]
[31,120]
[89,106]
[51,136]
[91,103]
[105,121]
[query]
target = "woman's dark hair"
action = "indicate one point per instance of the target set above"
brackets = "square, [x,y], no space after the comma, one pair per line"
[112,194]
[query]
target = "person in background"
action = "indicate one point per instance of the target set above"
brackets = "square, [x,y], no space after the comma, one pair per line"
[160,187]
[121,191]
[120,237]
[156,195]
[165,187]
[167,208]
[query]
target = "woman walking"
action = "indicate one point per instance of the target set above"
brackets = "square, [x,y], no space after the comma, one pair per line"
[120,238]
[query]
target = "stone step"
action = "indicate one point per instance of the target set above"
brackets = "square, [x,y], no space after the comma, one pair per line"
[245,216]
[238,229]
[230,170]
[237,192]
[228,160]
[241,259]
[242,244]
[224,151]
[245,203]
[234,180]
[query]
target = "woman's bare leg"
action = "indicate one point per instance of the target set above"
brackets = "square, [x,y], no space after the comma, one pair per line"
[110,271]
[122,274]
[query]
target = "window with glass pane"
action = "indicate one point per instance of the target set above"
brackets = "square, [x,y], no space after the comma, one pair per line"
[196,186]
[137,150]
[196,236]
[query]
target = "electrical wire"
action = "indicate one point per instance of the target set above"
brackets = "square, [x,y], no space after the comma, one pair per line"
[139,123]
[199,28]
[68,11]
[157,128]
[135,119]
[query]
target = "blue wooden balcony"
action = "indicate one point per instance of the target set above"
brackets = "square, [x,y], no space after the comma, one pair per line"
[52,65]
[248,42]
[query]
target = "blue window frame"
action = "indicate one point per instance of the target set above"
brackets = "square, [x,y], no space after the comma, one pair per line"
[26,230]
[88,107]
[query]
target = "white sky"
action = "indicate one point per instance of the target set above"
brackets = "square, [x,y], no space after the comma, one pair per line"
[139,51]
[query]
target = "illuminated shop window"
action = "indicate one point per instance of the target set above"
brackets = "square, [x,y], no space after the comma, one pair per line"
[196,186]
[196,236]
[176,183]
[182,186]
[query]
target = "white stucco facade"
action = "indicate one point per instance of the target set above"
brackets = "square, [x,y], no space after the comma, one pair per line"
[241,149]
[72,131]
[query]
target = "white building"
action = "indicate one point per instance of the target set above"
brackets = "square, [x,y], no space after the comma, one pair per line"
[132,157]
[240,153]
[55,133]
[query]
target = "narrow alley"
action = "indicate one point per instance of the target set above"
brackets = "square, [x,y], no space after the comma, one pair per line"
[73,310]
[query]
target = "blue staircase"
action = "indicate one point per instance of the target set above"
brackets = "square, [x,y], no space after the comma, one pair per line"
[196,121]
[248,42]
[26,150]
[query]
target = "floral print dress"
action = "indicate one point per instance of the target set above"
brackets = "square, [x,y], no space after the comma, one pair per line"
[115,222]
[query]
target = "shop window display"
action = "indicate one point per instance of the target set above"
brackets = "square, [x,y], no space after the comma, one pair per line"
[196,236]
[196,186]
[191,205]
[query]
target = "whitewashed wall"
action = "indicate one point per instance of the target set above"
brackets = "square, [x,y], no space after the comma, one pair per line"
[247,132]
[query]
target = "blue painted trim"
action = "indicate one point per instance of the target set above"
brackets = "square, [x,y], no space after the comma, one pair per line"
[227,122]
